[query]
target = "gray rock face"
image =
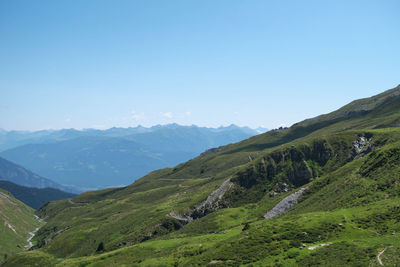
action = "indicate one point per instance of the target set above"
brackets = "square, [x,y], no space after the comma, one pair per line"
[361,147]
[212,203]
[285,204]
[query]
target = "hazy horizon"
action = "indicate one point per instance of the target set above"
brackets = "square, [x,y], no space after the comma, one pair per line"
[136,126]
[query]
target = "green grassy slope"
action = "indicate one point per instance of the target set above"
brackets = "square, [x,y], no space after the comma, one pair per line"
[353,211]
[348,159]
[16,221]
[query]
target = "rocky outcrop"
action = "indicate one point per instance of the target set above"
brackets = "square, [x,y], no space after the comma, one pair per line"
[278,172]
[285,204]
[361,147]
[287,165]
[213,202]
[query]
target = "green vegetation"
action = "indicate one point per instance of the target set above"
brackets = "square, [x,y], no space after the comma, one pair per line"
[348,160]
[16,221]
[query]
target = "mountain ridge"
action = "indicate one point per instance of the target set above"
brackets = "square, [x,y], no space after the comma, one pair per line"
[117,157]
[13,138]
[34,197]
[17,174]
[210,209]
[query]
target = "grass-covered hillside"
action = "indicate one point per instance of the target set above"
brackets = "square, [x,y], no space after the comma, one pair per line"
[16,221]
[340,171]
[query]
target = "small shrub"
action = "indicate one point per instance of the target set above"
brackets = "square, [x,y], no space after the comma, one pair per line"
[100,247]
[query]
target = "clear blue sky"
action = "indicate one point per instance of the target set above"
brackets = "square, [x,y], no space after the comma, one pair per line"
[96,63]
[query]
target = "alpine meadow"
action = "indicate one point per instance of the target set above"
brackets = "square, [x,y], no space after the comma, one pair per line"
[324,192]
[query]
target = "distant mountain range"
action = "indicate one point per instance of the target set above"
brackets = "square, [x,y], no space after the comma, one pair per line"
[12,139]
[34,197]
[12,172]
[91,159]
